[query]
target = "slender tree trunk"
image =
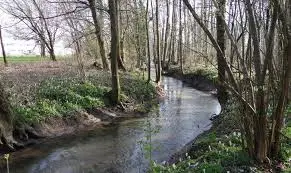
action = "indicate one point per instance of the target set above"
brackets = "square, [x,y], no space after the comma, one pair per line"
[159,72]
[180,50]
[92,5]
[2,47]
[285,85]
[166,35]
[173,35]
[148,41]
[114,26]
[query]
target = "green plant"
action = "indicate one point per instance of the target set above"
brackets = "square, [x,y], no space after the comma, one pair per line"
[56,97]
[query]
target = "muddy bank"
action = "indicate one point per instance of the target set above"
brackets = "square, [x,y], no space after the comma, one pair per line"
[73,123]
[199,82]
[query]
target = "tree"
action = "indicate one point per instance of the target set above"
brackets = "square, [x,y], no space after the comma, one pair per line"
[114,27]
[159,72]
[36,16]
[251,87]
[148,41]
[220,32]
[2,47]
[92,6]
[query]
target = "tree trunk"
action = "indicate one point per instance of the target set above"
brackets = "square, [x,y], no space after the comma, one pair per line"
[159,73]
[92,6]
[166,35]
[222,94]
[180,50]
[114,26]
[148,42]
[2,47]
[173,35]
[52,54]
[285,86]
[6,127]
[42,49]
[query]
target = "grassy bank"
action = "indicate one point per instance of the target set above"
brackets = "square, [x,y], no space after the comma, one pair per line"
[201,78]
[37,96]
[219,150]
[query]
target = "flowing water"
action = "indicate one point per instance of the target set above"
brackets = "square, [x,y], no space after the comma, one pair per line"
[182,115]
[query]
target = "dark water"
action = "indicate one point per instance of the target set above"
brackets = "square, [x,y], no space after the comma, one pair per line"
[181,116]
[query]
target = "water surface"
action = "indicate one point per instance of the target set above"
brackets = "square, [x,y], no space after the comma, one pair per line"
[182,115]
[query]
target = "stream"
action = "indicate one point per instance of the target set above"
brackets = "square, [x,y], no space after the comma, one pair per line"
[181,116]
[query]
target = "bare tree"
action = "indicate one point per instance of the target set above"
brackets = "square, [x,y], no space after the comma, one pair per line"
[35,16]
[92,6]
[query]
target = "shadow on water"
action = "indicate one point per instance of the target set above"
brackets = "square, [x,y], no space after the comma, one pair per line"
[181,116]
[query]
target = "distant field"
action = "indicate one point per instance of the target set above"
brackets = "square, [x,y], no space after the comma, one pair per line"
[27,58]
[24,58]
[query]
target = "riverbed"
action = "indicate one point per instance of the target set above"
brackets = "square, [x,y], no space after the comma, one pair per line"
[182,115]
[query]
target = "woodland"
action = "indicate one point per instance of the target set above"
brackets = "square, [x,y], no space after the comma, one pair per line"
[242,46]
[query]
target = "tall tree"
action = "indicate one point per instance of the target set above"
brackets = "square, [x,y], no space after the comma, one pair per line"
[220,35]
[114,26]
[180,47]
[92,6]
[251,85]
[159,72]
[164,64]
[148,41]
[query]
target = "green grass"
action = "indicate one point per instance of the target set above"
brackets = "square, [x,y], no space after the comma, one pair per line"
[211,155]
[209,73]
[25,58]
[30,58]
[59,97]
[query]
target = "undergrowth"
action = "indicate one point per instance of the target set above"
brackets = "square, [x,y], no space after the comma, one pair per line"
[209,73]
[211,155]
[62,96]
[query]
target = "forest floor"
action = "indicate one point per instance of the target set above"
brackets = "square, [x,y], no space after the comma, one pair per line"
[50,99]
[219,149]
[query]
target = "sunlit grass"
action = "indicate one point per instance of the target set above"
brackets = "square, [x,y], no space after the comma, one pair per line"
[30,59]
[25,58]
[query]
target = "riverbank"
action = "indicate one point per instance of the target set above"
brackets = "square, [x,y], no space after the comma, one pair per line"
[219,149]
[200,79]
[52,99]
